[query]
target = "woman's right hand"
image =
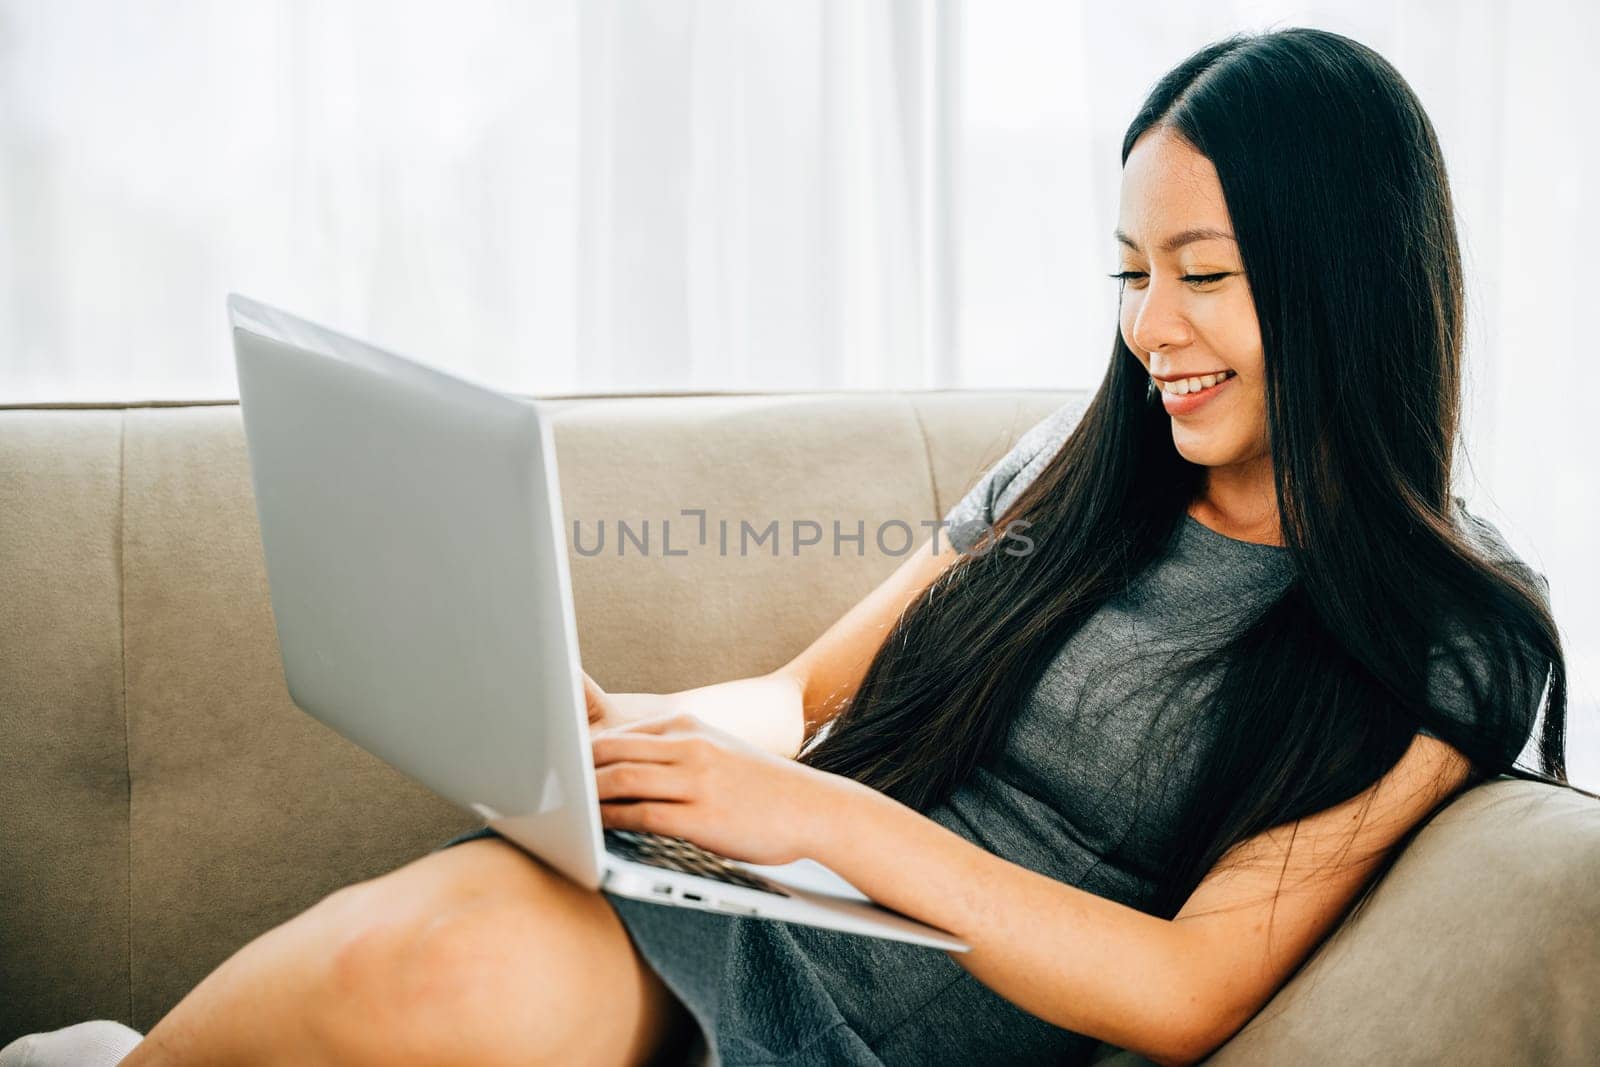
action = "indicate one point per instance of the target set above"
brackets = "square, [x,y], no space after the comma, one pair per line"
[609,710]
[766,710]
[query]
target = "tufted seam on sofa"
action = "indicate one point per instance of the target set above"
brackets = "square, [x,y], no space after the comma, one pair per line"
[927,456]
[122,662]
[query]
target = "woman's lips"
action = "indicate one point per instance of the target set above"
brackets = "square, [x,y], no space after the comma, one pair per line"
[1192,402]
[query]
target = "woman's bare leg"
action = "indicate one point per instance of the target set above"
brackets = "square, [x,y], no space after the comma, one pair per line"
[478,954]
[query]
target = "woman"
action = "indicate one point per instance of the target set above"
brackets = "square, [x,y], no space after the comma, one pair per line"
[1223,646]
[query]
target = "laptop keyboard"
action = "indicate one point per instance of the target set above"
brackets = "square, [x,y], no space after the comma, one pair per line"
[676,854]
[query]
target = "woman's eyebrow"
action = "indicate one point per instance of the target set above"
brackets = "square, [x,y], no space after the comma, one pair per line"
[1179,239]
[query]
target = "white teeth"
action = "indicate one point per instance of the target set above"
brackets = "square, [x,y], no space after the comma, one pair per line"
[1194,385]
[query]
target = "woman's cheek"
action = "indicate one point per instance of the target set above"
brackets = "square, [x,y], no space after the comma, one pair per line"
[1244,334]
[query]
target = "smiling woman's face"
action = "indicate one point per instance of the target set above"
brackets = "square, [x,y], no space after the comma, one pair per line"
[1186,307]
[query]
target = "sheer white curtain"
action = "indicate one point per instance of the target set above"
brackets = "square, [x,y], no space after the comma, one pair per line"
[764,194]
[612,194]
[597,195]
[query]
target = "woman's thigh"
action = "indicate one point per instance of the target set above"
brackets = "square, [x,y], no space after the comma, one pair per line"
[482,954]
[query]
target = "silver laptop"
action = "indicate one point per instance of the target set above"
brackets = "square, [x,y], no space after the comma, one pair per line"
[417,560]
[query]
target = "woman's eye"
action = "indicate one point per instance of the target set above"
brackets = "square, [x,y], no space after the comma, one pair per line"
[1192,279]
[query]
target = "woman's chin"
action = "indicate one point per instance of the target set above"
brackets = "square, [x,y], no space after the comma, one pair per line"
[1204,449]
[1218,450]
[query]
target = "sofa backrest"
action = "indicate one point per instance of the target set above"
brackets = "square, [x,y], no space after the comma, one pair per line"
[162,801]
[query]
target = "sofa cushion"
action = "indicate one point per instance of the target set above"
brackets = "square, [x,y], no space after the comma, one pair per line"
[63,761]
[1481,946]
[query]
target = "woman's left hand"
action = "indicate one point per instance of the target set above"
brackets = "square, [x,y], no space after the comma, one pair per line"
[678,776]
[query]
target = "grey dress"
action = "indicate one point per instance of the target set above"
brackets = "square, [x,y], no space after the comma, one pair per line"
[1058,801]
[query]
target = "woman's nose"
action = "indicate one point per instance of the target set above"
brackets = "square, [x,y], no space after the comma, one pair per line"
[1160,322]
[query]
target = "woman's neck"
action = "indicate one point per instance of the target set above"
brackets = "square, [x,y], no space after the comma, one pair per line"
[1243,511]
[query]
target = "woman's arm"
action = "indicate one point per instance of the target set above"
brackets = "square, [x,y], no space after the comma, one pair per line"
[1170,990]
[779,711]
[765,709]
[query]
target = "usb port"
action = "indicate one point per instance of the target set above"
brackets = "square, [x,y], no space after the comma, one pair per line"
[691,896]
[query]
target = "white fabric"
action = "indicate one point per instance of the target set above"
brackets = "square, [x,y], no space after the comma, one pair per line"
[97,1043]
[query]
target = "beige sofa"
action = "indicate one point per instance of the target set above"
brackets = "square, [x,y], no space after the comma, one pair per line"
[162,801]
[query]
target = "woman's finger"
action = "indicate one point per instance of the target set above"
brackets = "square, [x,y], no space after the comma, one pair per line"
[669,723]
[606,747]
[647,816]
[640,781]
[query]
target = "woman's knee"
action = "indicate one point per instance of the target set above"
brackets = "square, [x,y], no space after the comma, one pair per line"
[402,986]
[463,964]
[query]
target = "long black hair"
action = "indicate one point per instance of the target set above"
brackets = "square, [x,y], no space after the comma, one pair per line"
[1340,205]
